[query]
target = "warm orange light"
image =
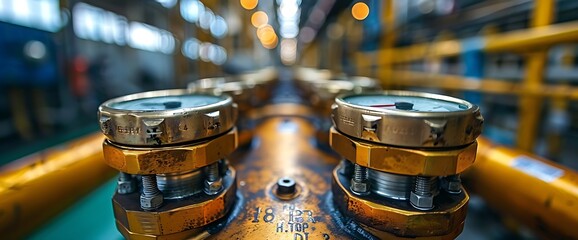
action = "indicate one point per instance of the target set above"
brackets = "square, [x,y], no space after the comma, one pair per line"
[269,39]
[267,36]
[272,44]
[259,19]
[265,32]
[249,4]
[360,11]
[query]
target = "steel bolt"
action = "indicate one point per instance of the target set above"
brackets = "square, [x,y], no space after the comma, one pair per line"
[151,197]
[359,184]
[423,194]
[347,168]
[223,166]
[453,184]
[213,181]
[126,183]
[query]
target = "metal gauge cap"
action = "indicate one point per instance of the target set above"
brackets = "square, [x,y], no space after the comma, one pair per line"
[407,119]
[259,77]
[311,74]
[166,117]
[360,82]
[219,85]
[234,87]
[333,87]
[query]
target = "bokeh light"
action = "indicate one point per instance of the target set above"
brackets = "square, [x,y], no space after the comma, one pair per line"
[360,11]
[219,27]
[265,32]
[288,51]
[267,36]
[249,4]
[259,19]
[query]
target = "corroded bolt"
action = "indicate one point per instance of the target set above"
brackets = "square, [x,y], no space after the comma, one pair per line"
[213,181]
[223,166]
[423,193]
[359,184]
[151,197]
[453,184]
[347,168]
[286,186]
[126,183]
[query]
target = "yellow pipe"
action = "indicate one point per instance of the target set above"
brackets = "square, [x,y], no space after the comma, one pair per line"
[559,105]
[384,60]
[530,107]
[491,86]
[36,188]
[539,193]
[533,38]
[519,40]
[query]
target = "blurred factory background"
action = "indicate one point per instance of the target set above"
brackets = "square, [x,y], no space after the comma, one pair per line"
[517,59]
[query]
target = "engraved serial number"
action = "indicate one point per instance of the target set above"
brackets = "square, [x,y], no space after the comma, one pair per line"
[346,120]
[127,130]
[399,131]
[296,224]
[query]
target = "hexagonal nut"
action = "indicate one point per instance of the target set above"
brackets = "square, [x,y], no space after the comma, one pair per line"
[174,236]
[404,161]
[151,202]
[454,187]
[125,187]
[421,202]
[213,187]
[361,188]
[175,216]
[163,160]
[446,219]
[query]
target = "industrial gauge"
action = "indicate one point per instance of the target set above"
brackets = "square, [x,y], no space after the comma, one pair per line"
[408,119]
[165,117]
[322,93]
[403,153]
[174,143]
[246,94]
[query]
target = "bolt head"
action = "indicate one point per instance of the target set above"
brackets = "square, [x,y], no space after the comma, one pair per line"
[126,187]
[285,185]
[454,187]
[151,202]
[213,187]
[359,188]
[421,202]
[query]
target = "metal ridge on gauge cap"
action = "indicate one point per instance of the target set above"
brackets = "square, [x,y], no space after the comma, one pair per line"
[166,117]
[390,117]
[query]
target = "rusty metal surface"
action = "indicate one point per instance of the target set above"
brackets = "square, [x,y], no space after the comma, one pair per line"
[175,216]
[405,161]
[169,159]
[282,146]
[445,221]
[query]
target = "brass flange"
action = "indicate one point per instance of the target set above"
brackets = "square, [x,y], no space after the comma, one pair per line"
[172,159]
[174,216]
[398,218]
[137,236]
[404,161]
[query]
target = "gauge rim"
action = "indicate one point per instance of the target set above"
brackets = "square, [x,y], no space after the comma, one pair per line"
[105,107]
[471,107]
[415,122]
[169,120]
